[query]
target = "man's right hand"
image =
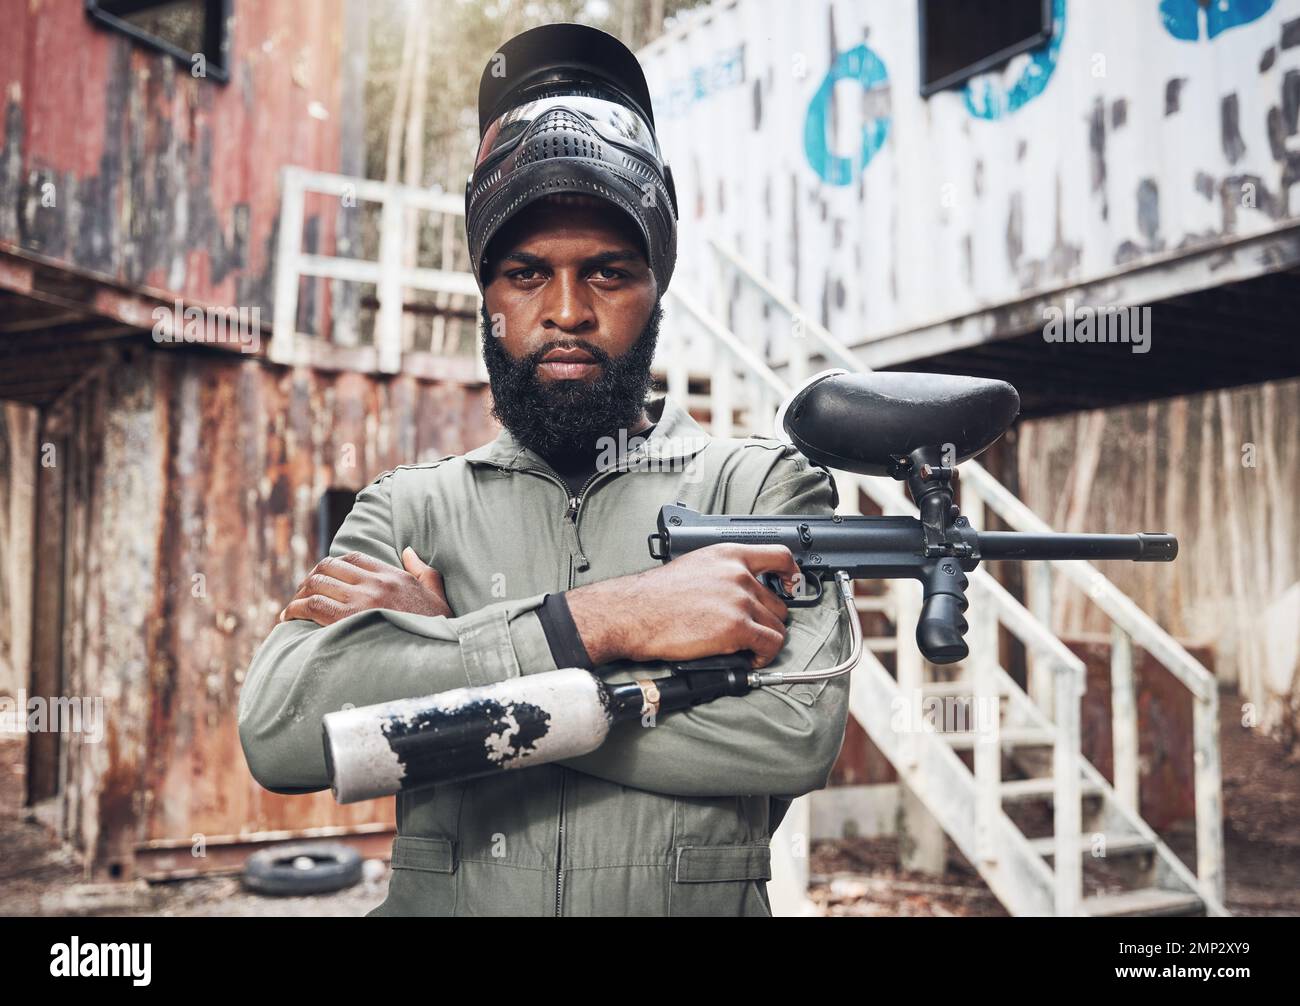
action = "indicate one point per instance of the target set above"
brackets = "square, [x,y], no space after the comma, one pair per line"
[704,603]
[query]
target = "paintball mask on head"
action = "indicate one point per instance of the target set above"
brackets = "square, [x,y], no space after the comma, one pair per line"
[565,108]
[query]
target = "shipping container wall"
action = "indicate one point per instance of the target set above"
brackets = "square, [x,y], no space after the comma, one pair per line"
[1142,130]
[187,497]
[115,159]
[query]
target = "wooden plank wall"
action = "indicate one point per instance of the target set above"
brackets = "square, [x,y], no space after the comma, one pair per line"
[1222,471]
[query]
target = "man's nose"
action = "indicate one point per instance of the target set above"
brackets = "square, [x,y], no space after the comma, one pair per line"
[568,303]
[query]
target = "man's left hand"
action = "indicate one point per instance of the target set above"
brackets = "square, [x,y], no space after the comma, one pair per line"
[342,586]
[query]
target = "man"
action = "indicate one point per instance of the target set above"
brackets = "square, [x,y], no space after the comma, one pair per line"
[529,554]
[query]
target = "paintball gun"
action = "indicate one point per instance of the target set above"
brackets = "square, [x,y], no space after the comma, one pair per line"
[911,427]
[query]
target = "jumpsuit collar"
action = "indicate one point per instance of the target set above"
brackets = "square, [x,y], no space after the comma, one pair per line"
[676,435]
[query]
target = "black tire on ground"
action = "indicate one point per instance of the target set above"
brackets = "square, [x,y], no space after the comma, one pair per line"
[334,866]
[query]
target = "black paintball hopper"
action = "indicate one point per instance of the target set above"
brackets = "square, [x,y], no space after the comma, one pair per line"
[870,423]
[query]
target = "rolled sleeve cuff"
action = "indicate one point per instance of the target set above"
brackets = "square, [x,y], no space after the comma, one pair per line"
[504,641]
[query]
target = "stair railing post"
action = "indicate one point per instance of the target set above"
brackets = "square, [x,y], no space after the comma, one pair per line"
[1068,808]
[721,393]
[798,356]
[1208,790]
[1124,726]
[909,664]
[981,666]
[388,324]
[284,326]
[1041,670]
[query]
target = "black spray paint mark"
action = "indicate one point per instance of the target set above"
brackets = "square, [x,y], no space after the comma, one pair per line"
[1015,231]
[1266,60]
[1118,113]
[1097,148]
[1234,147]
[1291,34]
[1173,94]
[438,744]
[1282,122]
[1238,192]
[1148,208]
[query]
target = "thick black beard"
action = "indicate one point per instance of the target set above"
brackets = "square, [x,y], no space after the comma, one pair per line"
[570,417]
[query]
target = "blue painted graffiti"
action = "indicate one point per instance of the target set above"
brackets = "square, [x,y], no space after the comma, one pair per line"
[1182,17]
[988,96]
[725,70]
[862,65]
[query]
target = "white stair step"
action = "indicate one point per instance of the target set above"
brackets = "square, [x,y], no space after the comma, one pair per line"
[1146,901]
[1025,737]
[872,602]
[1022,790]
[880,644]
[1116,845]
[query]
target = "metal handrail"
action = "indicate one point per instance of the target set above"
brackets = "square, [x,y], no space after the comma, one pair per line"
[1069,668]
[1132,624]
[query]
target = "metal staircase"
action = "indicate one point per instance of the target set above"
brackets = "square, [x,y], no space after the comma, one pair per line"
[1023,746]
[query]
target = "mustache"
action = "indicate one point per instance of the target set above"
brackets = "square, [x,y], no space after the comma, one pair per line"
[565,416]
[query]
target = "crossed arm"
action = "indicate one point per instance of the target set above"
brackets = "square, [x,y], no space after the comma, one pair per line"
[377,632]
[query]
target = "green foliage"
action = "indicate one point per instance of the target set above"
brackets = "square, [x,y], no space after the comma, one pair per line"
[464,35]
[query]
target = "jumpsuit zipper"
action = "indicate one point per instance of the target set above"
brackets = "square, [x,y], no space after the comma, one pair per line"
[575,505]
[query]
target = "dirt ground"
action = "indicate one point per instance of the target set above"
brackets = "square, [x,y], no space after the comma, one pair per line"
[1261,796]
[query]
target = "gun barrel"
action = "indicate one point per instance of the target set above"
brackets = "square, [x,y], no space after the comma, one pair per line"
[1141,547]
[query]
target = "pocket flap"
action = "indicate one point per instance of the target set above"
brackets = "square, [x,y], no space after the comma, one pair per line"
[698,863]
[437,855]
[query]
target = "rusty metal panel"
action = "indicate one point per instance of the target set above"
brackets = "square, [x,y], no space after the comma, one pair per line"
[115,160]
[1137,136]
[193,487]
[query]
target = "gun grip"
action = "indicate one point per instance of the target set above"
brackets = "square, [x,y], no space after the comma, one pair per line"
[939,630]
